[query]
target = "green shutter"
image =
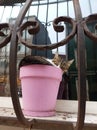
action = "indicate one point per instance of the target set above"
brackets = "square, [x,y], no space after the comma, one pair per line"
[91,63]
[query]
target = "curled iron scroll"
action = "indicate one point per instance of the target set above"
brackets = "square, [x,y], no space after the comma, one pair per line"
[58,28]
[33,30]
[6,37]
[90,18]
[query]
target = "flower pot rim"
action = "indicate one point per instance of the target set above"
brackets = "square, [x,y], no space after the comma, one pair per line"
[41,71]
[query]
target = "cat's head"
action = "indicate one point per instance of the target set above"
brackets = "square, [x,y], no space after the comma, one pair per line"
[64,65]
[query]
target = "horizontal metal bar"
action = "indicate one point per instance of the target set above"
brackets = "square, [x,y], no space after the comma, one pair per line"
[12,2]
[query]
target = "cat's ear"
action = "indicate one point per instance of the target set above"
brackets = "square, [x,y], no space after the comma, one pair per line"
[57,59]
[70,62]
[56,56]
[65,65]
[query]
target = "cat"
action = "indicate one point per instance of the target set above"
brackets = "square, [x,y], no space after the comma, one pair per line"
[64,65]
[56,61]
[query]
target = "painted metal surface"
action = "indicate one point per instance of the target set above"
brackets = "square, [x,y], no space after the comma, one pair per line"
[79,28]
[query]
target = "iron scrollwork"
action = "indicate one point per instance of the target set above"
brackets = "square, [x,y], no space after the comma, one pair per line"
[90,34]
[57,28]
[17,30]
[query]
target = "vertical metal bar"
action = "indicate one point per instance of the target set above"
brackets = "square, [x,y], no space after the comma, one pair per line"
[2,14]
[11,12]
[26,32]
[37,17]
[67,8]
[57,32]
[13,67]
[90,6]
[81,67]
[47,23]
[67,30]
[38,8]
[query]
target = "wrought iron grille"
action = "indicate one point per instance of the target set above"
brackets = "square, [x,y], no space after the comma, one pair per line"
[11,32]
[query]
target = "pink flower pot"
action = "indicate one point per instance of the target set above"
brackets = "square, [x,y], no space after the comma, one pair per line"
[40,84]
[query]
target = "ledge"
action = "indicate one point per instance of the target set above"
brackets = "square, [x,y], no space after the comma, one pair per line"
[66,115]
